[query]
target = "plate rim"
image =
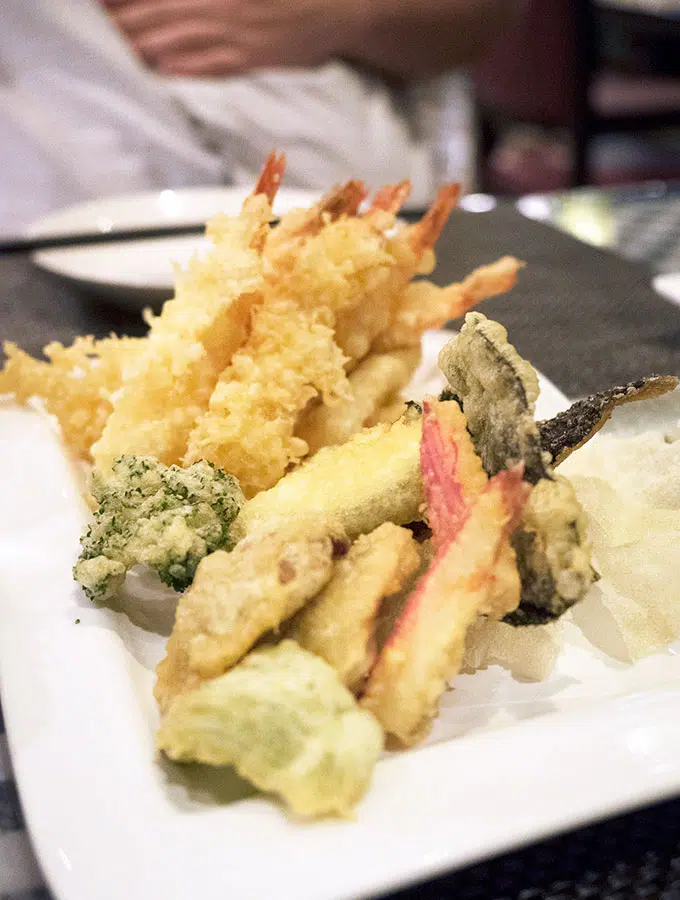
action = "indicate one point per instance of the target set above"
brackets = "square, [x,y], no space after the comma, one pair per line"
[56,261]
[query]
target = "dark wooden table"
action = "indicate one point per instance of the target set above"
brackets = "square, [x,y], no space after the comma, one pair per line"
[588,319]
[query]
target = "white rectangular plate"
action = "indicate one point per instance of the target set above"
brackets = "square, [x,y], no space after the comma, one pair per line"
[109,820]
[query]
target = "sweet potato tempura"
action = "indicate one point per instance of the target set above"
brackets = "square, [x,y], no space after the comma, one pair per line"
[339,625]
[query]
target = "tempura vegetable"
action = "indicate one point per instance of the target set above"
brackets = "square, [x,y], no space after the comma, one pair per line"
[236,597]
[339,624]
[498,391]
[284,721]
[159,516]
[371,479]
[375,380]
[571,429]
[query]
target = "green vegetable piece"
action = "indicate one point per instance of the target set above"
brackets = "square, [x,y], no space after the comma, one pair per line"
[164,517]
[283,719]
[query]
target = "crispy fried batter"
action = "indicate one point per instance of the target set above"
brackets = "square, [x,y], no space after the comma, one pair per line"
[298,225]
[377,378]
[77,384]
[339,624]
[190,342]
[291,354]
[236,597]
[499,391]
[284,721]
[574,427]
[424,305]
[427,644]
[373,478]
[248,430]
[410,248]
[553,553]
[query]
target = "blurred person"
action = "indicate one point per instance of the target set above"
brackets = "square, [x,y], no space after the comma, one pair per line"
[106,96]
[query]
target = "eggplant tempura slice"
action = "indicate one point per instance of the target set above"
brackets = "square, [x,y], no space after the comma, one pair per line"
[574,427]
[499,390]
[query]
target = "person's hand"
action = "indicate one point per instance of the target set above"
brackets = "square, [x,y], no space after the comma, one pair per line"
[221,37]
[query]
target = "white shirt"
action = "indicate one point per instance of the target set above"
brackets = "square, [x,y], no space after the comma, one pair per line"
[81,117]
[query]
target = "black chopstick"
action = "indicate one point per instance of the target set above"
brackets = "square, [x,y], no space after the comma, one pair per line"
[83,239]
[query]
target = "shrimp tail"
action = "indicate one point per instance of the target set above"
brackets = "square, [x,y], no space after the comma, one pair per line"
[271,175]
[425,232]
[390,198]
[344,200]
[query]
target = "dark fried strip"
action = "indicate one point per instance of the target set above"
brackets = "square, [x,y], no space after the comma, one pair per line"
[574,427]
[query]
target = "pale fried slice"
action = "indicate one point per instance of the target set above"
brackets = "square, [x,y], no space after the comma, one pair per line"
[248,429]
[424,305]
[236,597]
[426,646]
[373,478]
[339,624]
[284,721]
[77,384]
[376,378]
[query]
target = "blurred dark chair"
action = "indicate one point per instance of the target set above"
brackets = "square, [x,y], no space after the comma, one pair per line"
[549,71]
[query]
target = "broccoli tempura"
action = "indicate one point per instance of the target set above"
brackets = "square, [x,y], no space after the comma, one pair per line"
[160,516]
[284,721]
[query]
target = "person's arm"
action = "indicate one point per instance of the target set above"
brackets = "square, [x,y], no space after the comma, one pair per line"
[403,38]
[415,38]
